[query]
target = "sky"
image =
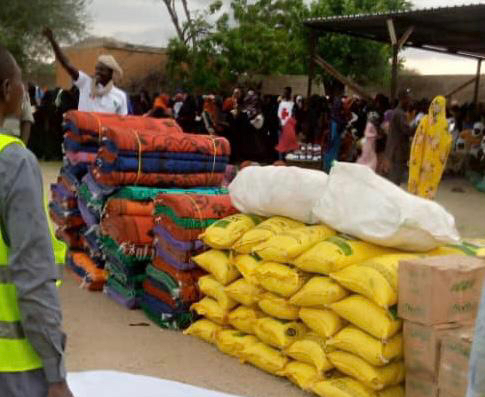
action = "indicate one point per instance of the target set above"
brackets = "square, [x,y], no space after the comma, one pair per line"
[148,22]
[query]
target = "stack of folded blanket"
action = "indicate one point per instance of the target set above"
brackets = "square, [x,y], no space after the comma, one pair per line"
[64,211]
[91,200]
[126,239]
[77,199]
[145,157]
[83,132]
[180,217]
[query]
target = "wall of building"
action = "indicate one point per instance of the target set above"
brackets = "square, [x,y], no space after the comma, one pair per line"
[274,85]
[431,86]
[136,64]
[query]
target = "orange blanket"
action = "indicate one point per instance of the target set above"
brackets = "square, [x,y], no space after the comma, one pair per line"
[115,207]
[128,229]
[94,278]
[197,206]
[158,180]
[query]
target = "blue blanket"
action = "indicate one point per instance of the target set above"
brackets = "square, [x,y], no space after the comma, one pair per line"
[160,165]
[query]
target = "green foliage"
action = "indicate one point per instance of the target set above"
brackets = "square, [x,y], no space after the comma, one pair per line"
[269,37]
[364,61]
[21,23]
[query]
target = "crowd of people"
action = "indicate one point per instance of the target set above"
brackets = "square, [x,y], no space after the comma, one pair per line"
[267,128]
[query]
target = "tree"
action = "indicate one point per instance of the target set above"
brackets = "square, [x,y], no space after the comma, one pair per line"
[269,37]
[195,24]
[21,23]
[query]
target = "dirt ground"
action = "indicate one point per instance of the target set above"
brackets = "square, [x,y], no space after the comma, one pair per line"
[104,335]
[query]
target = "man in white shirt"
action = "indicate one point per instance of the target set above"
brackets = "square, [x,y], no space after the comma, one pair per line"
[285,109]
[97,94]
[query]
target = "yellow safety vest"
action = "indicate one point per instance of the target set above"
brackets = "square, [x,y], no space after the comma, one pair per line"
[16,352]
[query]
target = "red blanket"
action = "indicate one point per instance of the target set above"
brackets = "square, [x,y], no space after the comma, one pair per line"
[150,140]
[94,123]
[72,237]
[189,291]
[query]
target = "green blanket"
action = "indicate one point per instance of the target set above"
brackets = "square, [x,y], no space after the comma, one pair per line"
[138,193]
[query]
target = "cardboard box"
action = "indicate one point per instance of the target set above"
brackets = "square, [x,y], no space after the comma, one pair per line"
[418,386]
[422,347]
[455,355]
[440,290]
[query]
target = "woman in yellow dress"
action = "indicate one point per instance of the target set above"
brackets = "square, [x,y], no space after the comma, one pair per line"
[429,152]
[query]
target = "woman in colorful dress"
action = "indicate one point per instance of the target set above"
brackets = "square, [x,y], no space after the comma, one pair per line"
[429,152]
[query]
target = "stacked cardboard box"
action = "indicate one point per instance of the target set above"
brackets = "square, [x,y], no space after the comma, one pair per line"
[455,355]
[438,299]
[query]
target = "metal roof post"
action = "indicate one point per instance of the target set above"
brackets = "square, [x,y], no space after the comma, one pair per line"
[394,71]
[311,65]
[477,82]
[395,53]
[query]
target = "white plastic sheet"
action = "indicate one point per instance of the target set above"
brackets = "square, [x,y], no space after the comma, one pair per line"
[284,191]
[120,384]
[359,202]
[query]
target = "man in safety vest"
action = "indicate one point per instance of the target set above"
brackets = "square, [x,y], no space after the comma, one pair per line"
[31,339]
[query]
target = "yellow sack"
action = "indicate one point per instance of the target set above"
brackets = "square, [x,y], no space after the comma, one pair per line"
[342,387]
[218,264]
[209,308]
[335,253]
[265,358]
[466,249]
[372,350]
[366,315]
[244,292]
[243,318]
[301,374]
[247,265]
[376,378]
[225,232]
[209,286]
[317,292]
[375,278]
[324,323]
[394,391]
[233,342]
[278,333]
[204,329]
[277,307]
[280,279]
[291,243]
[264,231]
[310,350]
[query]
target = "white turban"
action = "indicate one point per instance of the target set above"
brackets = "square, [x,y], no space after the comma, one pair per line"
[110,62]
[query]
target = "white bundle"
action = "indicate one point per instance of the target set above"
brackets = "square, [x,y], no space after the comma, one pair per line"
[359,202]
[284,191]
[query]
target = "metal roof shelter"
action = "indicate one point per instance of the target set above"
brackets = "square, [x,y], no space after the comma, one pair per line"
[458,30]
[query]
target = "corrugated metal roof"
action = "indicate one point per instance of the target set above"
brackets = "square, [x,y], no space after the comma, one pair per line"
[391,14]
[457,30]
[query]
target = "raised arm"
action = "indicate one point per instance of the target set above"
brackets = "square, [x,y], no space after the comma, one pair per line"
[60,56]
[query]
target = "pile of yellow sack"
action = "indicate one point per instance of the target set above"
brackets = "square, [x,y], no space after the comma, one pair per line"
[303,302]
